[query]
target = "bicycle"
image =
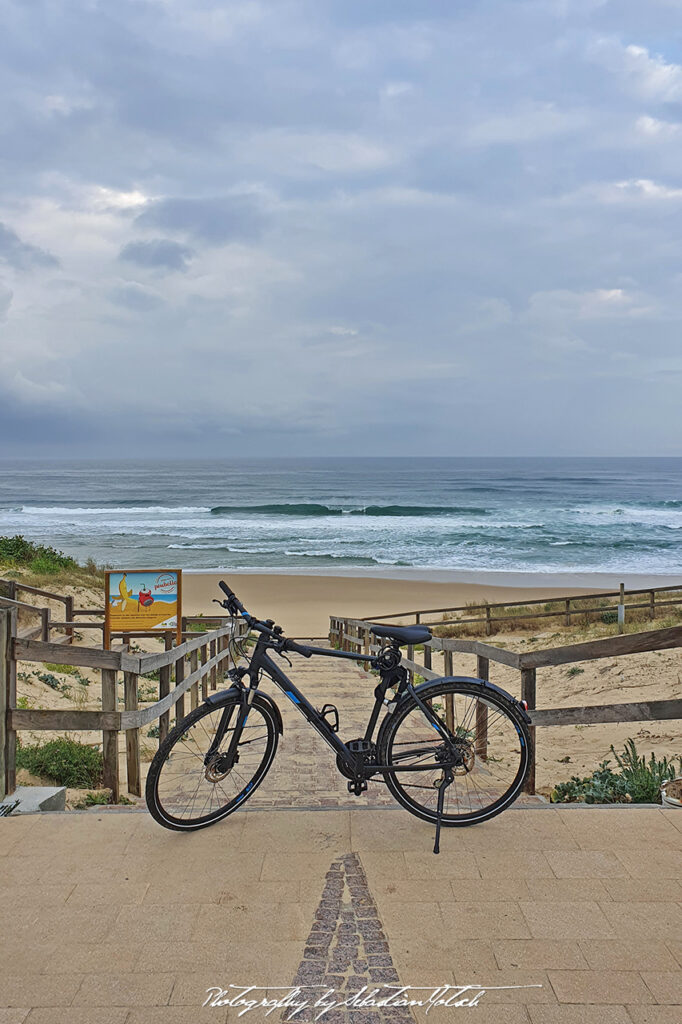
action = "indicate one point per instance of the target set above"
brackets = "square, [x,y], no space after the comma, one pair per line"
[470,770]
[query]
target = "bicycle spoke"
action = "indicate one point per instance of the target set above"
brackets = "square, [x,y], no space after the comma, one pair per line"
[192,785]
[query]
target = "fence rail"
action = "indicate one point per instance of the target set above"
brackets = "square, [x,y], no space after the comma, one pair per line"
[209,659]
[354,634]
[566,611]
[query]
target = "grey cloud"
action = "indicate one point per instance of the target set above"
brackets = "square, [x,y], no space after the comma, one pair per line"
[444,178]
[157,252]
[216,221]
[21,255]
[135,297]
[5,300]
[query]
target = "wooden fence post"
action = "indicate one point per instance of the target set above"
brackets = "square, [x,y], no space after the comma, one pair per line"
[68,609]
[652,605]
[365,648]
[483,672]
[165,689]
[214,673]
[45,616]
[110,736]
[130,681]
[194,689]
[179,677]
[567,616]
[8,701]
[204,678]
[621,609]
[528,694]
[488,623]
[427,656]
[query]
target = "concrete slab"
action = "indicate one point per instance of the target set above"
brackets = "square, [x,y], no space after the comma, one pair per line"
[137,923]
[32,799]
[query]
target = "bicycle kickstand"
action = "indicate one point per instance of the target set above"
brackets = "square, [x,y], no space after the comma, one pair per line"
[447,779]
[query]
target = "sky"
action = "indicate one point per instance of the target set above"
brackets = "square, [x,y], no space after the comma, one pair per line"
[344,227]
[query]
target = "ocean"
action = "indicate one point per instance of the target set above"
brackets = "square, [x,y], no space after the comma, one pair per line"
[528,515]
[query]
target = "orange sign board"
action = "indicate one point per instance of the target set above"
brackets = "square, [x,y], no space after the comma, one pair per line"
[143,601]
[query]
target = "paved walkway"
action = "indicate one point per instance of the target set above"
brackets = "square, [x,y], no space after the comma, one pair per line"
[107,918]
[304,772]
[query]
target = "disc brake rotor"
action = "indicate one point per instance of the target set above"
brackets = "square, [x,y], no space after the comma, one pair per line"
[219,768]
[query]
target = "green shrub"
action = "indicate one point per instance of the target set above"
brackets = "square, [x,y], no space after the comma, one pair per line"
[37,557]
[94,800]
[638,780]
[609,617]
[644,778]
[66,762]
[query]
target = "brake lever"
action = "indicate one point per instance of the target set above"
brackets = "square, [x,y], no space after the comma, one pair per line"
[283,655]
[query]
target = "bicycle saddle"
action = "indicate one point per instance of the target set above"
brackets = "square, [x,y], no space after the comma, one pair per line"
[403,634]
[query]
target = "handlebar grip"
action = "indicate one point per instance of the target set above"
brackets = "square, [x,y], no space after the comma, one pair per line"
[298,649]
[225,589]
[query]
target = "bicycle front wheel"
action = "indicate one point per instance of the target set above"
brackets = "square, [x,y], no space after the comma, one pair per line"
[494,753]
[190,785]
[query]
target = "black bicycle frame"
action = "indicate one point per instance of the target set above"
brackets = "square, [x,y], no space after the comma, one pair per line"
[262,662]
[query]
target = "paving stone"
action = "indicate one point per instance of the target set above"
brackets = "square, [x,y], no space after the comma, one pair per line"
[666,986]
[654,1014]
[617,987]
[627,954]
[125,990]
[579,1015]
[562,919]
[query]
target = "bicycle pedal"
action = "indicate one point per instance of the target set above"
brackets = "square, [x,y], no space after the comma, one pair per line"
[357,787]
[360,746]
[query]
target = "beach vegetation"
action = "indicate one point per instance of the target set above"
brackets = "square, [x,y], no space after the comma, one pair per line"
[50,680]
[22,558]
[64,761]
[591,618]
[633,779]
[99,798]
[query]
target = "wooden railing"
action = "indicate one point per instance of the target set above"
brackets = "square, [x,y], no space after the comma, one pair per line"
[199,663]
[9,597]
[566,609]
[355,635]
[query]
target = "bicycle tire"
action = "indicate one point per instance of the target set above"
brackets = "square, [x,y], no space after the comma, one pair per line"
[476,692]
[159,802]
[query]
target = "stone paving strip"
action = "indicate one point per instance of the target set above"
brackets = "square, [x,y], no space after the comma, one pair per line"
[560,915]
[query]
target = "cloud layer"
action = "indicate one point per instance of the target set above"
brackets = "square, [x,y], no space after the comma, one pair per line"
[337,226]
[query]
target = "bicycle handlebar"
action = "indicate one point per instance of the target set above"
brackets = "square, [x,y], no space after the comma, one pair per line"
[291,645]
[234,604]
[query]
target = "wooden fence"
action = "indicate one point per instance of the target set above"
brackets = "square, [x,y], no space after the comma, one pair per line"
[354,635]
[199,663]
[566,609]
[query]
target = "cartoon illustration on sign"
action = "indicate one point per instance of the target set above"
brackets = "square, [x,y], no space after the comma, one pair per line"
[142,601]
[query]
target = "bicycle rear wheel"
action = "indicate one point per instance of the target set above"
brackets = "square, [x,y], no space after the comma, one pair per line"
[493,740]
[189,786]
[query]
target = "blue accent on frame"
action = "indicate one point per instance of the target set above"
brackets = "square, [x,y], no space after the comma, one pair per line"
[292,696]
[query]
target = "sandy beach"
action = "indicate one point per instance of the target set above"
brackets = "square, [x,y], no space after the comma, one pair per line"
[302,604]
